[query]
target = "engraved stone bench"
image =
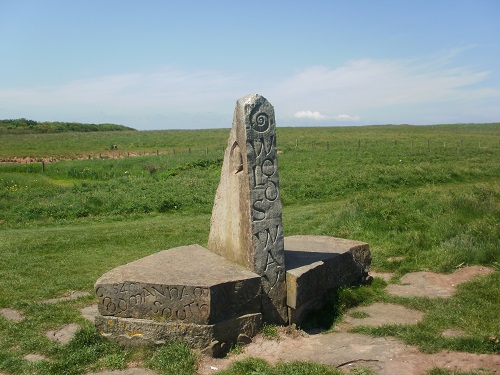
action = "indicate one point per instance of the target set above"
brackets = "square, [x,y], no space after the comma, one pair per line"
[250,273]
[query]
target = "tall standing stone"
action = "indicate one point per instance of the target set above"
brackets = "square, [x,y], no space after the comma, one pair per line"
[246,225]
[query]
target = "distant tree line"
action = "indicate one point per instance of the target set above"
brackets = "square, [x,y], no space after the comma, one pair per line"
[23,125]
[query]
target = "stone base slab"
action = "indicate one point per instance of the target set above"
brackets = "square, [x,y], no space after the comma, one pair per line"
[138,332]
[317,264]
[187,284]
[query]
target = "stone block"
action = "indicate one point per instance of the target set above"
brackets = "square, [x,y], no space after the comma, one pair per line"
[187,284]
[246,225]
[138,332]
[316,264]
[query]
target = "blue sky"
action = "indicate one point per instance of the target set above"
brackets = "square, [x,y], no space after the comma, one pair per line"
[183,64]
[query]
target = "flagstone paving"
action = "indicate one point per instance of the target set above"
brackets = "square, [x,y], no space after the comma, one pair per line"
[341,349]
[383,355]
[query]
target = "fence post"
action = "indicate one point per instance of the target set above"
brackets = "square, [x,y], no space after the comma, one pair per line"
[43,166]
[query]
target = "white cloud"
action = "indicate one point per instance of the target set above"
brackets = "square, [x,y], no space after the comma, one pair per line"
[362,91]
[191,91]
[388,90]
[315,115]
[310,114]
[344,117]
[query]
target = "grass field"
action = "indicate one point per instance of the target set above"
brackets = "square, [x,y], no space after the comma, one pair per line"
[428,194]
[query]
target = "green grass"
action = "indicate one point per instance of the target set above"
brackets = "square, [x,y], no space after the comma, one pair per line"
[359,314]
[428,194]
[270,331]
[440,371]
[174,358]
[261,367]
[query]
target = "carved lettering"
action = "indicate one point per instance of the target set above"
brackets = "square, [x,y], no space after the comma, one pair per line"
[167,313]
[155,288]
[155,307]
[264,146]
[270,260]
[271,192]
[259,179]
[170,302]
[259,211]
[276,276]
[268,167]
[266,237]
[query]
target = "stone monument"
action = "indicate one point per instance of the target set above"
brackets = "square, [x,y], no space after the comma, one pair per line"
[246,223]
[250,273]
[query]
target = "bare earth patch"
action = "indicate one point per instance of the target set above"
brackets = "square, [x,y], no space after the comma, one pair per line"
[64,334]
[11,314]
[379,314]
[34,357]
[89,312]
[430,284]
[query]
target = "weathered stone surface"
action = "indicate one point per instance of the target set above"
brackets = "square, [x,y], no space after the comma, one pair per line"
[131,332]
[316,264]
[33,357]
[89,312]
[430,284]
[246,225]
[379,314]
[64,334]
[188,284]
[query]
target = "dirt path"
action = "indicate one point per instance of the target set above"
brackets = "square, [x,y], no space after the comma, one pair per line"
[383,355]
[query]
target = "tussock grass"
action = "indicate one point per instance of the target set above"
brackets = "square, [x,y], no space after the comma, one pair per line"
[174,358]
